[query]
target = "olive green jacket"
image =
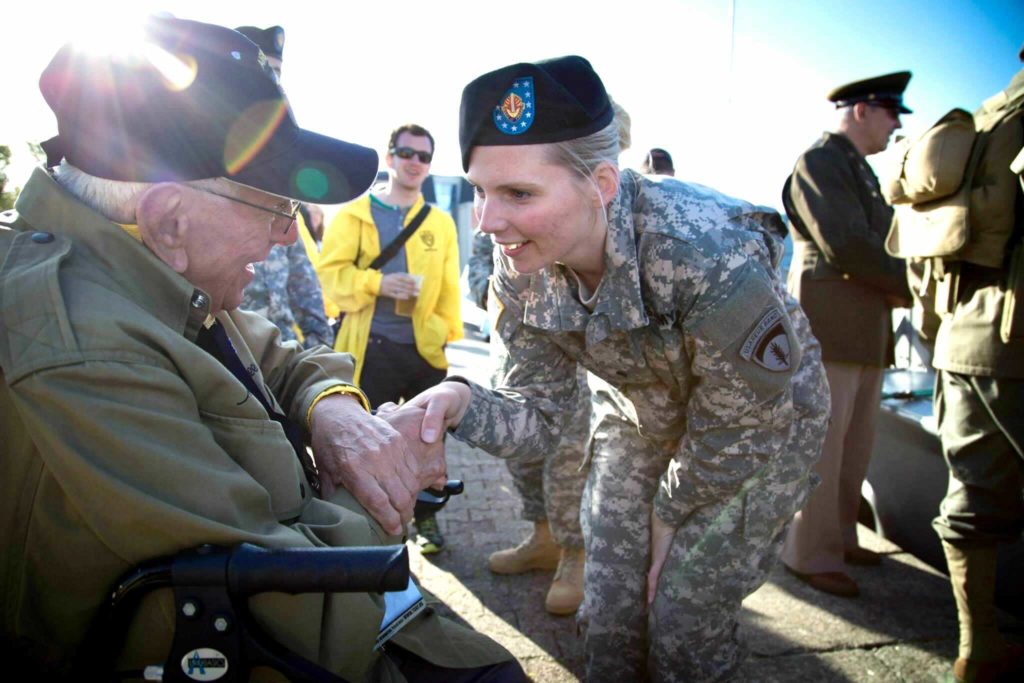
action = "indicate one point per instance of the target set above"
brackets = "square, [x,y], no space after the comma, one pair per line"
[984,300]
[840,272]
[123,440]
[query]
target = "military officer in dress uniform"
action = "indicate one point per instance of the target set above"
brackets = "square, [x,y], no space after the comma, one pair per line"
[847,285]
[714,401]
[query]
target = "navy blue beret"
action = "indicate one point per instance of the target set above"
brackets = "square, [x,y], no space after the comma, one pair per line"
[533,103]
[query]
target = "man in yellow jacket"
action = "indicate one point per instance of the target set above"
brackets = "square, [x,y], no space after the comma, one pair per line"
[398,315]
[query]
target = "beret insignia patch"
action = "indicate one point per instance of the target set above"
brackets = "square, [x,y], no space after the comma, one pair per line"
[768,344]
[514,114]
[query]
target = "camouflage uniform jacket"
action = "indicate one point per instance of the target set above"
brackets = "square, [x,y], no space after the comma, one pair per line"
[286,291]
[481,265]
[690,324]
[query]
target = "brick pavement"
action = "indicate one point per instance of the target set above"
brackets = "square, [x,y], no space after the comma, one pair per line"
[508,608]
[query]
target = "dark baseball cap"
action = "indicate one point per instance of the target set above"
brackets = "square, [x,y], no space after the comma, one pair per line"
[533,103]
[193,101]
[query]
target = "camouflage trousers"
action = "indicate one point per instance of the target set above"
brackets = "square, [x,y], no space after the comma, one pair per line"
[722,553]
[551,484]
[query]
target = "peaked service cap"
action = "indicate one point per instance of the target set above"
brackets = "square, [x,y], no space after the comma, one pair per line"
[886,90]
[533,103]
[193,101]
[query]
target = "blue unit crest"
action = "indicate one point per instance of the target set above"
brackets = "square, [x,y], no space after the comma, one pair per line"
[514,115]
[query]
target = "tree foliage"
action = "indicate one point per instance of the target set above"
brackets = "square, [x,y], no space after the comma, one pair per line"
[6,198]
[9,194]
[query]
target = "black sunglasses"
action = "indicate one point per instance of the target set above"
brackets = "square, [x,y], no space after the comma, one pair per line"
[409,153]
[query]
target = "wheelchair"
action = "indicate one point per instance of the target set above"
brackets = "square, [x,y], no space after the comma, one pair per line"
[215,637]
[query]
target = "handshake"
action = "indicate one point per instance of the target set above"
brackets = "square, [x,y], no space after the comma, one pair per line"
[385,460]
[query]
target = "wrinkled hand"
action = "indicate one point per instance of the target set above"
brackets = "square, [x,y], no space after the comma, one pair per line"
[430,456]
[398,286]
[661,543]
[368,457]
[444,406]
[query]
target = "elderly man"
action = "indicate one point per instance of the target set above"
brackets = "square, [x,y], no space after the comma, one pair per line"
[142,414]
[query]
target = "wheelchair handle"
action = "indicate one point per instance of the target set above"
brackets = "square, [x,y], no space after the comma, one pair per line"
[252,570]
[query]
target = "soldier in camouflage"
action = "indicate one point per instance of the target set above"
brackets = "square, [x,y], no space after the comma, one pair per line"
[286,291]
[285,288]
[550,483]
[715,402]
[481,265]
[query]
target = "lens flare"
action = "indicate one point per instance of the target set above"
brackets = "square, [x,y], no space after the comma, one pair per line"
[312,182]
[250,133]
[178,71]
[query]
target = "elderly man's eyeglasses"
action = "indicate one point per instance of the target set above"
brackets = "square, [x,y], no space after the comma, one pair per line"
[409,153]
[284,213]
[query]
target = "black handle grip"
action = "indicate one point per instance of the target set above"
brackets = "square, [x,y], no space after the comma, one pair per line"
[252,570]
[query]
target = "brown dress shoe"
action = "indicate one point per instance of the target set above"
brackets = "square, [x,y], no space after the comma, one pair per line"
[835,583]
[862,556]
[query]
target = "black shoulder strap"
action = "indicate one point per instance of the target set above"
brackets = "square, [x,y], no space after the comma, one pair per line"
[388,252]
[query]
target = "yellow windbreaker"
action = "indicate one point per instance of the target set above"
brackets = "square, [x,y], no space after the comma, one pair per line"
[351,242]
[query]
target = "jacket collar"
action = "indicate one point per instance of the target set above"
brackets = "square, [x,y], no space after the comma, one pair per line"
[144,278]
[360,208]
[842,141]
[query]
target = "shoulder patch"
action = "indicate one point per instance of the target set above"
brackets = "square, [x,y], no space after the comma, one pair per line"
[768,343]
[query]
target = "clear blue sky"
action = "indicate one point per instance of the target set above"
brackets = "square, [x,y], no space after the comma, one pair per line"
[355,70]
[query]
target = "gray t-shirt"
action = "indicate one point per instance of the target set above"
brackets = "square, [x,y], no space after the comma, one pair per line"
[390,221]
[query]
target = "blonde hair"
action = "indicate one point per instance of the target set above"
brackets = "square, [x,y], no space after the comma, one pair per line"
[583,155]
[115,200]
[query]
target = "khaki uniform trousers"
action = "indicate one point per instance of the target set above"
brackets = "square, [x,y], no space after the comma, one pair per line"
[827,525]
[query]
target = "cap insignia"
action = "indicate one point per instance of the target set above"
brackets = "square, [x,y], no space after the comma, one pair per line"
[514,115]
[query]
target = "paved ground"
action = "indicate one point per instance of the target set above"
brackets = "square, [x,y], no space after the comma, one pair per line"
[902,628]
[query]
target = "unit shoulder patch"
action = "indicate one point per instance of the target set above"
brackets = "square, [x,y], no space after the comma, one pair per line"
[768,343]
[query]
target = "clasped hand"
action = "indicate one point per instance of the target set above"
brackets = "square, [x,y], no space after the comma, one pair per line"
[381,460]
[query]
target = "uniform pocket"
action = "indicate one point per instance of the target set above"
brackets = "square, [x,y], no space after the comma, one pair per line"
[261,448]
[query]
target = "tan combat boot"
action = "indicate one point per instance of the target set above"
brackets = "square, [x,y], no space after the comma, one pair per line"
[984,655]
[566,592]
[539,551]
